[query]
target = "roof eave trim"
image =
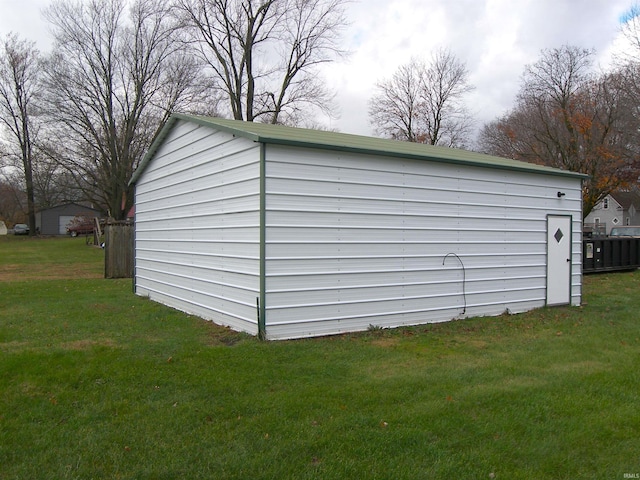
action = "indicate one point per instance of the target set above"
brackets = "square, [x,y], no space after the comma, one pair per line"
[525,167]
[203,122]
[155,145]
[164,132]
[239,132]
[341,148]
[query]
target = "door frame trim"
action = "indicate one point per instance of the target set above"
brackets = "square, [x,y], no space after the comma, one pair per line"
[570,217]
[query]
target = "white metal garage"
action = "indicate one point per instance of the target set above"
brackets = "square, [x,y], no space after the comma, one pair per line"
[290,233]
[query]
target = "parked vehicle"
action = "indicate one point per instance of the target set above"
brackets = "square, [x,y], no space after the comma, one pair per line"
[626,231]
[21,229]
[80,225]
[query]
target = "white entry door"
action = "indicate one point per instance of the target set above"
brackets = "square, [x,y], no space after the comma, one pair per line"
[558,260]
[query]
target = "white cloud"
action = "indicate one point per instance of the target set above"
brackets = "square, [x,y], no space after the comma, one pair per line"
[24,17]
[496,39]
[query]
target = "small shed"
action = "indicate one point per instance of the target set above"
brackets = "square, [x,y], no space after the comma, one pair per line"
[287,233]
[54,220]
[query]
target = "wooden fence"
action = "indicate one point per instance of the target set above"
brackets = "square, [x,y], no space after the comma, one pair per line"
[118,250]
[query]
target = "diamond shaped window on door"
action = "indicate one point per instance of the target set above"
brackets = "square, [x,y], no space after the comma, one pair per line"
[558,235]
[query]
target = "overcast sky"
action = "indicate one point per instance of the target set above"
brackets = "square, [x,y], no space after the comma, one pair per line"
[495,38]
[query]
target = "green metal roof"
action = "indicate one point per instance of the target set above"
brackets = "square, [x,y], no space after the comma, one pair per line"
[302,137]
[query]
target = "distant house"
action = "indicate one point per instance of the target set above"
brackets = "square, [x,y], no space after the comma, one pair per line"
[616,209]
[54,220]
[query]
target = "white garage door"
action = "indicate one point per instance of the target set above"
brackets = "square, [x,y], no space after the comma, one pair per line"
[63,221]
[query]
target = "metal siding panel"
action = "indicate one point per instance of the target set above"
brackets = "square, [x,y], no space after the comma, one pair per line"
[355,240]
[330,327]
[207,311]
[187,232]
[198,180]
[197,226]
[182,155]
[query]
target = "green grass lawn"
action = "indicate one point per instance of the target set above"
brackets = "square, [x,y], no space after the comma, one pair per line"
[98,383]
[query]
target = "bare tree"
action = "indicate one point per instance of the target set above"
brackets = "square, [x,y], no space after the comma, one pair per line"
[12,200]
[54,185]
[19,87]
[629,62]
[396,111]
[567,117]
[117,74]
[263,54]
[424,102]
[630,28]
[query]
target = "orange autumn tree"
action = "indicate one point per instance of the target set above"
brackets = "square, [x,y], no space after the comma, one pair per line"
[568,118]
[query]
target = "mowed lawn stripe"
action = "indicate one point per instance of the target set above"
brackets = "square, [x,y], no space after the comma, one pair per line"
[98,383]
